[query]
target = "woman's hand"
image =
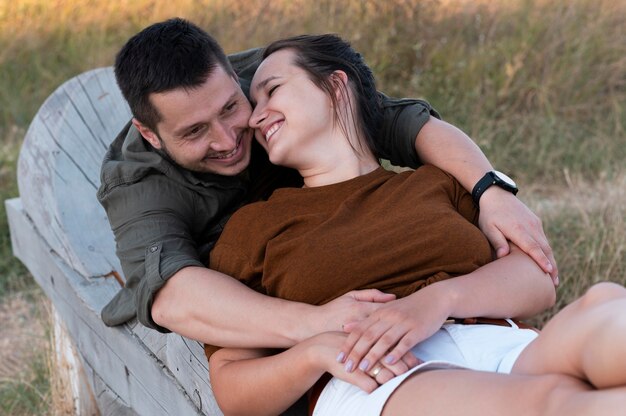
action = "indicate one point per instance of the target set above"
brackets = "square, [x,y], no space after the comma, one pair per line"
[388,334]
[323,353]
[505,218]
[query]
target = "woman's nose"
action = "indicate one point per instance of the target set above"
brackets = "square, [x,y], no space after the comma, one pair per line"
[257,117]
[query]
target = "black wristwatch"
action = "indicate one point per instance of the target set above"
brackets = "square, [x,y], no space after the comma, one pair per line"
[493,178]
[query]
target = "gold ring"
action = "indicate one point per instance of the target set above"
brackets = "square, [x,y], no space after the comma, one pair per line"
[375,371]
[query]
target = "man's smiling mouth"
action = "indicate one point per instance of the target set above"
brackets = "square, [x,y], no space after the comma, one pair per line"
[229,154]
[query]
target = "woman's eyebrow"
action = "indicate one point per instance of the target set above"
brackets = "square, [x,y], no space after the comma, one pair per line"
[265,82]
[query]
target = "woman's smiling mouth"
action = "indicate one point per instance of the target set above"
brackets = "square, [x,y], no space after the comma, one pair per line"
[273,129]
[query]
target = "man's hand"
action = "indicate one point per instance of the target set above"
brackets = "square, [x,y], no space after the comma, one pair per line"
[505,218]
[389,333]
[354,306]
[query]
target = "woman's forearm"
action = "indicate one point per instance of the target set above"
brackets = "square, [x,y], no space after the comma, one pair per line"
[510,287]
[247,382]
[252,381]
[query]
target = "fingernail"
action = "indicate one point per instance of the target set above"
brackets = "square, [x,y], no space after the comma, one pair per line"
[389,359]
[557,280]
[550,268]
[340,357]
[364,364]
[349,366]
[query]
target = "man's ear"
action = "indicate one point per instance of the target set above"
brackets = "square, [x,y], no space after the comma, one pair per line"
[147,134]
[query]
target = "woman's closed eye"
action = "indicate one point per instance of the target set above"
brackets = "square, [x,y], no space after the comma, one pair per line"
[271,90]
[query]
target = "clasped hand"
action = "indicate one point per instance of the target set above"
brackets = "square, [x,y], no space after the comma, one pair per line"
[389,333]
[323,356]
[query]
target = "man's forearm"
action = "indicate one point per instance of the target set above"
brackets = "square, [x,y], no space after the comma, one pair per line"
[445,146]
[211,307]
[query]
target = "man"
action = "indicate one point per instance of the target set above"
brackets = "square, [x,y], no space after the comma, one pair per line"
[187,160]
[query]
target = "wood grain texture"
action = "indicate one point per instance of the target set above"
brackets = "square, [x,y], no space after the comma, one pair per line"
[59,167]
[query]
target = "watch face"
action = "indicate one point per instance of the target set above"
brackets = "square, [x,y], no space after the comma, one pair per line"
[505,179]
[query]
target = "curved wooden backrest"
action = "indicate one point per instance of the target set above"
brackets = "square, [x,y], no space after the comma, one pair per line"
[59,169]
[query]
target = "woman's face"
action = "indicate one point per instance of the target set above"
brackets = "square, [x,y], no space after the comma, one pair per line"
[292,117]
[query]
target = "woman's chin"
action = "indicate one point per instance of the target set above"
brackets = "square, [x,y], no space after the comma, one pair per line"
[275,158]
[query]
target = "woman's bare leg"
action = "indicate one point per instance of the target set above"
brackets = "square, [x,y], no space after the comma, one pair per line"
[586,340]
[474,393]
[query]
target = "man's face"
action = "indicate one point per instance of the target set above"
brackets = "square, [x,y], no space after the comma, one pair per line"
[204,129]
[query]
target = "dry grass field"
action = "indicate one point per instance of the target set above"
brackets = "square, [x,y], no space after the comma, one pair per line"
[540,85]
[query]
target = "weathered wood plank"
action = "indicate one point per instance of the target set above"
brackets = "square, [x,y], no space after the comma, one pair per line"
[73,386]
[187,361]
[116,355]
[58,169]
[109,403]
[155,341]
[107,101]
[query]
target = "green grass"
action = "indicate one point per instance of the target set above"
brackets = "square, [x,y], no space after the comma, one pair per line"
[13,276]
[25,369]
[30,394]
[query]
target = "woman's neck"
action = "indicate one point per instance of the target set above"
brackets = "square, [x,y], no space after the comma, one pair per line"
[333,157]
[338,167]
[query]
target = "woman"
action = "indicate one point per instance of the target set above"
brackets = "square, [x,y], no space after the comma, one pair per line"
[355,225]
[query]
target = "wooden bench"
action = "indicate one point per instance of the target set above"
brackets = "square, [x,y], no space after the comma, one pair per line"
[61,233]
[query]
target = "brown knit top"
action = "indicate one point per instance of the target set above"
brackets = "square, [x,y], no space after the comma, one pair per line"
[393,232]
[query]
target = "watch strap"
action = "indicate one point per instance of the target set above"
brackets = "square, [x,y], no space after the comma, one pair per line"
[482,185]
[490,179]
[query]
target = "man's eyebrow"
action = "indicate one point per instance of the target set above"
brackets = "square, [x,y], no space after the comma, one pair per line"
[232,98]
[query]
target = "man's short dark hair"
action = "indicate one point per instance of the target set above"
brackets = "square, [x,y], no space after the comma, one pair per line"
[162,57]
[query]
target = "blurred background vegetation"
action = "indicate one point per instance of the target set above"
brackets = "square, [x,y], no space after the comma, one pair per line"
[540,85]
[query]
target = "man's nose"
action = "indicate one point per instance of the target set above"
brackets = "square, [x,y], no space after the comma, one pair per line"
[223,137]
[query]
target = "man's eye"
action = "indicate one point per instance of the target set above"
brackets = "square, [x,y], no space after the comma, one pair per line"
[194,131]
[231,106]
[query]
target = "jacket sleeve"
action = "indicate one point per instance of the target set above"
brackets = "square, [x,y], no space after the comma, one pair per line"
[403,118]
[245,64]
[154,241]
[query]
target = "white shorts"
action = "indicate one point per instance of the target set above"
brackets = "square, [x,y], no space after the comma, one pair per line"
[476,347]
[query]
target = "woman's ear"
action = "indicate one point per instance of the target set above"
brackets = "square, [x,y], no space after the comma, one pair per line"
[340,84]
